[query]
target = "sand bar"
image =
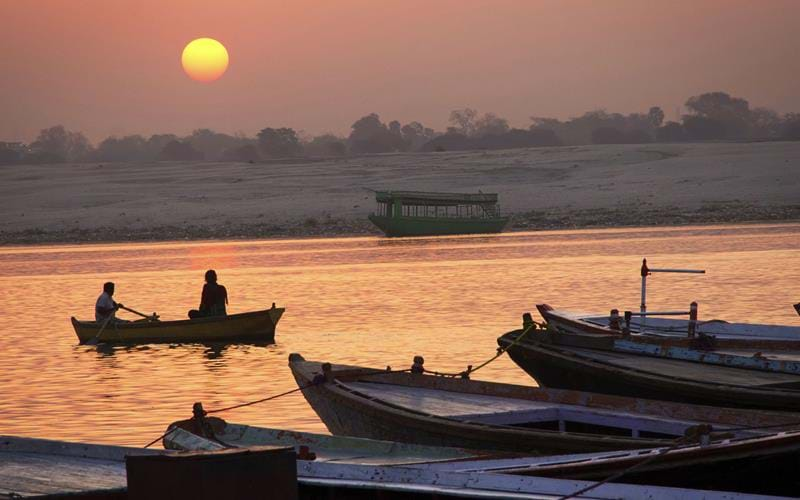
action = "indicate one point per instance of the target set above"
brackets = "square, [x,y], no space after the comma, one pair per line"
[543,188]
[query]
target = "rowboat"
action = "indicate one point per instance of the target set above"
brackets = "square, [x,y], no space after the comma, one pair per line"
[253,326]
[320,455]
[442,411]
[184,436]
[580,355]
[415,213]
[34,468]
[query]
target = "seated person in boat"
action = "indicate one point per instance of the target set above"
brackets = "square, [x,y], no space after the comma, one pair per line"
[213,300]
[105,306]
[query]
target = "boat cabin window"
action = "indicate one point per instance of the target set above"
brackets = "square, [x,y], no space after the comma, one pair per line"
[461,211]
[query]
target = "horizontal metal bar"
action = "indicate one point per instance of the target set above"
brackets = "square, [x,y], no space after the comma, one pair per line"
[664,313]
[693,271]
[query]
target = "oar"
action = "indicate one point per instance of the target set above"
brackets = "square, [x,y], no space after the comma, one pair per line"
[153,317]
[94,340]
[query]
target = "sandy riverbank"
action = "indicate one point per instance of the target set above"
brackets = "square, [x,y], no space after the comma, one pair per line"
[547,188]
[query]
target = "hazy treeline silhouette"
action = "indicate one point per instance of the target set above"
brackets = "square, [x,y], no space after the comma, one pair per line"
[710,116]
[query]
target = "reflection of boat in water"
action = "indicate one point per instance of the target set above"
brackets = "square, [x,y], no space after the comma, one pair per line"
[256,325]
[441,411]
[414,213]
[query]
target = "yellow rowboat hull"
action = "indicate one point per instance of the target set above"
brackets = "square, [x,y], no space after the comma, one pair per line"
[256,325]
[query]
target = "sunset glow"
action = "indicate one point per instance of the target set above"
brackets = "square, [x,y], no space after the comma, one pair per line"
[204,59]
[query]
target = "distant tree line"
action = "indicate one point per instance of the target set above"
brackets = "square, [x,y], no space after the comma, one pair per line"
[712,116]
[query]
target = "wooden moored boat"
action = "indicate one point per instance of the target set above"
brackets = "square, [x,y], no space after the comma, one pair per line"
[439,411]
[414,213]
[773,457]
[576,354]
[35,468]
[252,326]
[318,447]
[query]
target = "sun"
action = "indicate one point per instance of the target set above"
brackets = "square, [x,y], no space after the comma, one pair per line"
[204,59]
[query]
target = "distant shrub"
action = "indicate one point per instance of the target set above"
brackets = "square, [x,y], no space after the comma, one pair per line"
[179,151]
[671,132]
[608,135]
[246,153]
[8,156]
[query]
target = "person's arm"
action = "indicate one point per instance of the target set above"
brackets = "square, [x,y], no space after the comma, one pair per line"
[204,298]
[105,311]
[225,294]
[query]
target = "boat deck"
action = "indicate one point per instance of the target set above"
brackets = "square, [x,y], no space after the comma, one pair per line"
[32,467]
[342,449]
[495,410]
[690,370]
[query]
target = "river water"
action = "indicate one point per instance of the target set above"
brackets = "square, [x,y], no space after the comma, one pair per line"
[368,300]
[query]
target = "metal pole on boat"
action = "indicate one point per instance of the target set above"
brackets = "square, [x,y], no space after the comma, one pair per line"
[643,305]
[692,319]
[646,271]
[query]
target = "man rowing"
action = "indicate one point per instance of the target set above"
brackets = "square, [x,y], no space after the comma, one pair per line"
[105,306]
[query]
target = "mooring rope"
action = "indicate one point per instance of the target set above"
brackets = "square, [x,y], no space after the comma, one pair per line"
[688,439]
[621,473]
[241,405]
[500,351]
[318,380]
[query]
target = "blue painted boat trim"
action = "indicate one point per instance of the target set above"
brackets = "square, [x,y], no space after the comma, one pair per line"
[712,358]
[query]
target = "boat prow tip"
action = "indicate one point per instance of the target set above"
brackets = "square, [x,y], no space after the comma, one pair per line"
[296,357]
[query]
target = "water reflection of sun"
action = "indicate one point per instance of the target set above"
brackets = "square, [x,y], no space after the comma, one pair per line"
[212,257]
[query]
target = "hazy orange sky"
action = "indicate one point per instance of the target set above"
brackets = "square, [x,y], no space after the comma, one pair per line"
[113,66]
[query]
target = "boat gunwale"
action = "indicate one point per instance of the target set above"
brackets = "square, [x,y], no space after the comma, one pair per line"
[183,322]
[732,449]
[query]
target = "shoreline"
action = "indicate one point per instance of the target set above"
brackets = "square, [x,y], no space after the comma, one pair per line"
[537,220]
[540,188]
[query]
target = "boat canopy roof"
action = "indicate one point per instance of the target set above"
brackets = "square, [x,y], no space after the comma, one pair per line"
[423,198]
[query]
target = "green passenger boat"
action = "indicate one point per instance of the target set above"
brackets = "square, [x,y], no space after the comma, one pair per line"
[414,213]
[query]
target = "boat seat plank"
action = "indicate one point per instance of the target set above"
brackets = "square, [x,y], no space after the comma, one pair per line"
[444,403]
[689,370]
